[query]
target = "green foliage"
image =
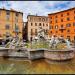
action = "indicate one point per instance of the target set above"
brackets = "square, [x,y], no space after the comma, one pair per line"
[41,44]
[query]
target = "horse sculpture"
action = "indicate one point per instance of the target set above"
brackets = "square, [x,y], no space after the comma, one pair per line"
[53,42]
[56,40]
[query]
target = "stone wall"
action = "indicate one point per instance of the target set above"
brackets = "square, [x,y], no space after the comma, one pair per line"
[58,55]
[37,54]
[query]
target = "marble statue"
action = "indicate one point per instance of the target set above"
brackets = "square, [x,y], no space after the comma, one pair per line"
[68,43]
[55,40]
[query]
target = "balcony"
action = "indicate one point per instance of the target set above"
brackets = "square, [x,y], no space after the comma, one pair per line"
[62,28]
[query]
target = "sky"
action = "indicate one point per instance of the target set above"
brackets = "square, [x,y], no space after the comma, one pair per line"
[41,8]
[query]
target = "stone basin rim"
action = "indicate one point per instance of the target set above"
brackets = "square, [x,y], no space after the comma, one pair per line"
[60,50]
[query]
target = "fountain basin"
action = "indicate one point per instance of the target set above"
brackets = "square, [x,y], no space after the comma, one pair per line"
[4,51]
[59,55]
[35,54]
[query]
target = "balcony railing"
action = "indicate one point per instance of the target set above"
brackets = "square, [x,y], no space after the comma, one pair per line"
[62,28]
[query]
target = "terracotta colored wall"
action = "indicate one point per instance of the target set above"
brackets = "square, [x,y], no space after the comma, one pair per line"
[59,23]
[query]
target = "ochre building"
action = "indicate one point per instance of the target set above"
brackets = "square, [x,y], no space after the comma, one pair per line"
[11,23]
[62,24]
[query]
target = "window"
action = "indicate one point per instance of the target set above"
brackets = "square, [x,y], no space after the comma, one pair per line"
[31,24]
[74,37]
[39,19]
[67,13]
[56,27]
[7,18]
[74,17]
[62,26]
[68,30]
[74,12]
[46,24]
[43,19]
[56,16]
[50,17]
[17,14]
[7,15]
[35,31]
[56,21]
[7,27]
[61,15]
[68,25]
[7,12]
[74,24]
[43,24]
[35,24]
[50,21]
[50,31]
[68,19]
[61,35]
[56,31]
[31,31]
[16,28]
[39,24]
[61,20]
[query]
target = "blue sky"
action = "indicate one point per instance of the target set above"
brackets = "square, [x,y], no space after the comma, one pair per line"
[42,8]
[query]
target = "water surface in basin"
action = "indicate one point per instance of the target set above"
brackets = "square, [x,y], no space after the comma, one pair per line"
[42,66]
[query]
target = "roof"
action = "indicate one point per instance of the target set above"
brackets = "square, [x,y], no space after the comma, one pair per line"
[37,16]
[62,11]
[11,10]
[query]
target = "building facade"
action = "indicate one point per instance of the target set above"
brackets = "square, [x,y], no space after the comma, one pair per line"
[33,24]
[63,24]
[11,23]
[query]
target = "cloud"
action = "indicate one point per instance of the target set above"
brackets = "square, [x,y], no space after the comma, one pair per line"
[37,7]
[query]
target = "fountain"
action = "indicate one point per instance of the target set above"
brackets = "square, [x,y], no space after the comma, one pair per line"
[16,48]
[59,50]
[40,41]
